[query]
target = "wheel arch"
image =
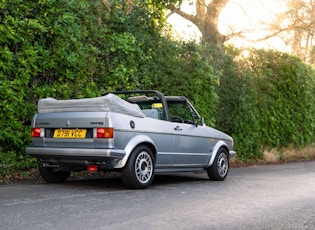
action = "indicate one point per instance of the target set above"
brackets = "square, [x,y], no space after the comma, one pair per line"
[134,143]
[215,150]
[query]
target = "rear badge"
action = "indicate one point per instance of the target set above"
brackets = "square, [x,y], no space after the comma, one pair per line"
[132,124]
[67,123]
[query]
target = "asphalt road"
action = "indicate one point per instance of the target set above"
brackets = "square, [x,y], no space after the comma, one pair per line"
[261,197]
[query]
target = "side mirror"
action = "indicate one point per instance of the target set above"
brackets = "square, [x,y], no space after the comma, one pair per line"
[202,121]
[199,121]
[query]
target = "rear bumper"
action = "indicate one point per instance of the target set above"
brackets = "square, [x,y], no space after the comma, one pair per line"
[107,158]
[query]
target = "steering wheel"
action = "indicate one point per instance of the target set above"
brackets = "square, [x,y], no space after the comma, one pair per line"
[177,119]
[188,122]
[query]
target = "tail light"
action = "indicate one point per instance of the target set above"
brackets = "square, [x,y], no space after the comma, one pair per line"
[104,133]
[92,168]
[38,132]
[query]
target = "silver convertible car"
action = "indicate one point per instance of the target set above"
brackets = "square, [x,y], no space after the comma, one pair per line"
[138,133]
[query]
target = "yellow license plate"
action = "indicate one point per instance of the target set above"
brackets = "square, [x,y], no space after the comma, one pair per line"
[69,133]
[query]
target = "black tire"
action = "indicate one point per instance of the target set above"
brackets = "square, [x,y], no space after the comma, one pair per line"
[220,167]
[52,176]
[138,172]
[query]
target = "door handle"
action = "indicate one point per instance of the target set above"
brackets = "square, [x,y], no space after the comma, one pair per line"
[177,128]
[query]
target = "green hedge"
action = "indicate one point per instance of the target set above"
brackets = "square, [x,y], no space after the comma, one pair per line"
[236,112]
[285,96]
[266,101]
[65,49]
[84,48]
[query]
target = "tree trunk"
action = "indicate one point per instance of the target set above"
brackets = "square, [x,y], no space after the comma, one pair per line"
[206,19]
[210,30]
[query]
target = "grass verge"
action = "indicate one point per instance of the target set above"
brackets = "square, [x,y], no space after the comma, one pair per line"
[279,156]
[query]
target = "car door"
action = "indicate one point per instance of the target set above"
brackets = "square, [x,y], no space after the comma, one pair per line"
[191,143]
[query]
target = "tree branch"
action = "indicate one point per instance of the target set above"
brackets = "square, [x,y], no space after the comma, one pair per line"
[183,14]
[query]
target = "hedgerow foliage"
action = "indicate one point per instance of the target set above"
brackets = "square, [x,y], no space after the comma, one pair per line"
[182,69]
[285,96]
[266,101]
[236,113]
[84,48]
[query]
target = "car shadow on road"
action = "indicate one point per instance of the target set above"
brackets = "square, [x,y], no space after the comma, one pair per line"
[178,178]
[114,182]
[96,183]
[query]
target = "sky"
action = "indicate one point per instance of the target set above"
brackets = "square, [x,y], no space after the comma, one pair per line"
[239,15]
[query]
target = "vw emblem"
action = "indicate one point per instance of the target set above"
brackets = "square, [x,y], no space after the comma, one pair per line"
[67,123]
